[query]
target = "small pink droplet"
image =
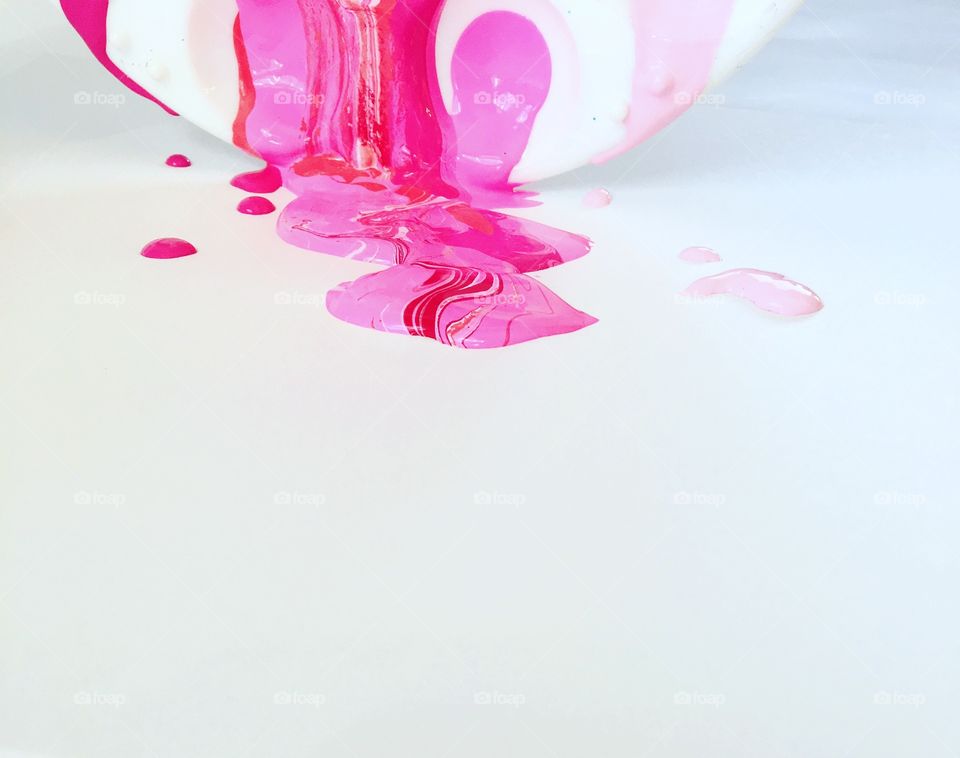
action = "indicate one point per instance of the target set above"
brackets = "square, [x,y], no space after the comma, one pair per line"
[168,247]
[768,291]
[262,182]
[179,161]
[700,255]
[256,206]
[597,198]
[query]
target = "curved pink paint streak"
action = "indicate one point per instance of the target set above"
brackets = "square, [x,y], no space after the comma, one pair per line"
[89,18]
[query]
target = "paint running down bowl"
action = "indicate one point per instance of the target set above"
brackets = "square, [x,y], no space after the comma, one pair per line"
[618,70]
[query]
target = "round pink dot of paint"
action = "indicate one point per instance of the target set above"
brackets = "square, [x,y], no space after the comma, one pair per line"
[256,206]
[167,248]
[178,161]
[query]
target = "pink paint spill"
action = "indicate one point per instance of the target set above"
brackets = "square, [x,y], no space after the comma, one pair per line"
[256,206]
[700,255]
[167,248]
[262,182]
[597,198]
[178,161]
[770,292]
[341,99]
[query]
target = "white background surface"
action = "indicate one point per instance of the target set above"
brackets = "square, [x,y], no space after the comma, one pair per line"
[686,498]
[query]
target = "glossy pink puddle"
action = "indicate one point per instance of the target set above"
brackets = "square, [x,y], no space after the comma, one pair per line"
[768,291]
[256,206]
[341,99]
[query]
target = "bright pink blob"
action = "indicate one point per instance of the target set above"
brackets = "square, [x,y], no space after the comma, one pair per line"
[168,247]
[256,206]
[700,255]
[178,161]
[768,291]
[262,182]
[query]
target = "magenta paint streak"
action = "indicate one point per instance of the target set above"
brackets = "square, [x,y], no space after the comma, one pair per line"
[262,182]
[700,255]
[89,18]
[178,161]
[256,206]
[768,291]
[167,248]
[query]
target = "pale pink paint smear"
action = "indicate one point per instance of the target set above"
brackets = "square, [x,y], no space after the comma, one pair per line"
[700,255]
[597,198]
[677,44]
[768,291]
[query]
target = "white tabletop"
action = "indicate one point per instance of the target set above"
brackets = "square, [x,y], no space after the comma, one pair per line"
[234,527]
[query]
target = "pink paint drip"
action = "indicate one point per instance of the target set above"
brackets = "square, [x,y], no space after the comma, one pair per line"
[700,255]
[768,291]
[167,248]
[597,198]
[256,206]
[383,175]
[178,161]
[262,182]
